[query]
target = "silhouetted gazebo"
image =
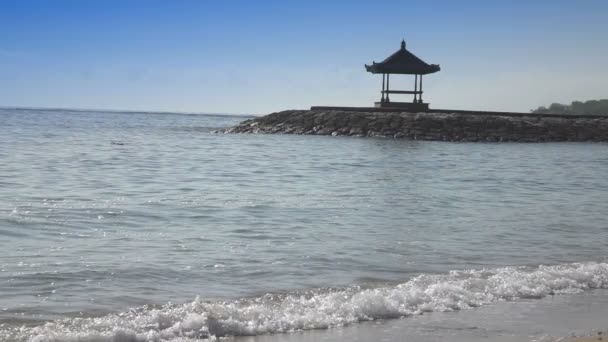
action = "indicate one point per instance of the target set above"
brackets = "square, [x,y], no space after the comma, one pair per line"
[405,63]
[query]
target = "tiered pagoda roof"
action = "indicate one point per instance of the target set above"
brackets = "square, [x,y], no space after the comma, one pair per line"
[402,62]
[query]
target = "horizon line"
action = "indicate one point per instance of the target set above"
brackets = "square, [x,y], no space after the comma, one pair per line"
[129,111]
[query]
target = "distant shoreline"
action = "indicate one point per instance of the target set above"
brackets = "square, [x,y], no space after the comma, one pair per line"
[435,125]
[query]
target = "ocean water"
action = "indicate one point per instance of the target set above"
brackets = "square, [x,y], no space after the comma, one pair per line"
[149,227]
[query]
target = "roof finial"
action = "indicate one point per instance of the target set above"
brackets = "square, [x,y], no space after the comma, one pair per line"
[403,44]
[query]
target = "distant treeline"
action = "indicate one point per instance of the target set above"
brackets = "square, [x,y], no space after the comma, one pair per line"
[592,107]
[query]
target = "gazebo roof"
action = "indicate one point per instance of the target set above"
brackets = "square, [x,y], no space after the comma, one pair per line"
[402,62]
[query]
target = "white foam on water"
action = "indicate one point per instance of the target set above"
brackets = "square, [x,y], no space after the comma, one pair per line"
[320,308]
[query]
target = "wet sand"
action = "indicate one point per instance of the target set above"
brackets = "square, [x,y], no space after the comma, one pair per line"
[583,339]
[558,318]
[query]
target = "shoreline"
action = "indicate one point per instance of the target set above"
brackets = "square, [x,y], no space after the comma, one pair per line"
[561,318]
[436,125]
[585,339]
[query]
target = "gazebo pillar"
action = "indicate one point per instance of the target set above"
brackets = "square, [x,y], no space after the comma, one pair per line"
[415,88]
[382,92]
[388,80]
[420,98]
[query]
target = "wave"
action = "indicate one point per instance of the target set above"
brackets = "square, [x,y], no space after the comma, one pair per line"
[321,308]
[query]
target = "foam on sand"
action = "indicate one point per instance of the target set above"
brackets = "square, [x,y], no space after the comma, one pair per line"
[321,308]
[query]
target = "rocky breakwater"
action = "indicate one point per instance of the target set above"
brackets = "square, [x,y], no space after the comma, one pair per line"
[442,126]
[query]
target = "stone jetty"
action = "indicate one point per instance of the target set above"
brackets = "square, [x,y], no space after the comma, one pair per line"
[439,125]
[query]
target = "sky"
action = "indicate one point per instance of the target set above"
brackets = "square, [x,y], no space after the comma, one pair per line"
[256,57]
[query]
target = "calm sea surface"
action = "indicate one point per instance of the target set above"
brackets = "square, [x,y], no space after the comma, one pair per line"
[150,227]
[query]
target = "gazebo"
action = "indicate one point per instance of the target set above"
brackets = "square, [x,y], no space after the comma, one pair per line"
[405,63]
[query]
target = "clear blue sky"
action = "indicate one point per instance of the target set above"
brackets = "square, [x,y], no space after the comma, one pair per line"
[262,56]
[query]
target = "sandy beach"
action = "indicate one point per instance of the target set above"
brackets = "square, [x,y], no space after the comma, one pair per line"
[582,339]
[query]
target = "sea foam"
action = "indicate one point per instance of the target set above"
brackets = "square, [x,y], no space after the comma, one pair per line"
[321,308]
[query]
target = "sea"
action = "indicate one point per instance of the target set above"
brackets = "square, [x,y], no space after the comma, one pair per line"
[137,226]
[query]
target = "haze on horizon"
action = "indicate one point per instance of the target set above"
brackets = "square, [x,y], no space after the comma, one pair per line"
[263,56]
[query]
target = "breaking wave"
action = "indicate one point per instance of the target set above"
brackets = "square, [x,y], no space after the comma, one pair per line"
[320,308]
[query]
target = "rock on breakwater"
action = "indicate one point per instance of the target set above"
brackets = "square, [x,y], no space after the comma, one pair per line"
[442,126]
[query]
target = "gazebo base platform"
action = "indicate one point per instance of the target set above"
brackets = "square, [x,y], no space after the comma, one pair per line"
[416,107]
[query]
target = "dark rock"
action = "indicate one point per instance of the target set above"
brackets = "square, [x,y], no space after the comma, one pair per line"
[444,126]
